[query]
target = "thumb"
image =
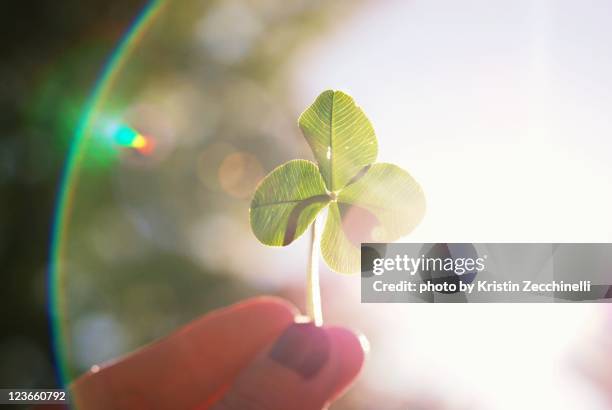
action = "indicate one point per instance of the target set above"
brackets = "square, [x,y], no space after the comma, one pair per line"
[305,369]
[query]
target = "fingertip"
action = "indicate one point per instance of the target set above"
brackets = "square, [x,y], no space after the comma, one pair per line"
[351,348]
[306,368]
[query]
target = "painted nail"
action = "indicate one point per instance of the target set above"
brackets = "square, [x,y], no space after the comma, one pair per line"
[303,347]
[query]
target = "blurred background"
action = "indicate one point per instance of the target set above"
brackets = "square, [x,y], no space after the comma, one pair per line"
[499,110]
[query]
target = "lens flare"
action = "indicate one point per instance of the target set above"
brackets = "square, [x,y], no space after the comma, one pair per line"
[130,138]
[57,305]
[144,145]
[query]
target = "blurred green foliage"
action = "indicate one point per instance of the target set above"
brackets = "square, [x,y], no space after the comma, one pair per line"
[50,56]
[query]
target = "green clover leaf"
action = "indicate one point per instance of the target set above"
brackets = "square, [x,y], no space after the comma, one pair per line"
[346,181]
[287,201]
[341,137]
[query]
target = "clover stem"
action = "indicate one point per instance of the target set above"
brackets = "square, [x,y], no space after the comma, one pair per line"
[313,290]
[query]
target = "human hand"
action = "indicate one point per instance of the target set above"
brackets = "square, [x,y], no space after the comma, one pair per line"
[251,355]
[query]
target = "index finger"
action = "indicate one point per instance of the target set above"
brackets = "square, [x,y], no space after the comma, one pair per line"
[192,366]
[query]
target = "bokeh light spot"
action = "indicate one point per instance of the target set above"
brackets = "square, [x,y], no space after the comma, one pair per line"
[209,161]
[239,173]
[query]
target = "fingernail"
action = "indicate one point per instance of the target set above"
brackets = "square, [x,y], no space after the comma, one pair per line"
[303,347]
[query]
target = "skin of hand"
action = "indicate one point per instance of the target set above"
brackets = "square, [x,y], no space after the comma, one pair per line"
[251,355]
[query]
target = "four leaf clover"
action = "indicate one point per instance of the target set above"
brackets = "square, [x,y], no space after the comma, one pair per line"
[345,180]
